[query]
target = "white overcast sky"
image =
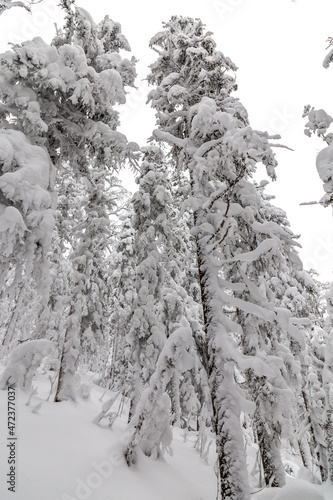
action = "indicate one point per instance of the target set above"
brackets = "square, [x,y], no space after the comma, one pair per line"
[278,46]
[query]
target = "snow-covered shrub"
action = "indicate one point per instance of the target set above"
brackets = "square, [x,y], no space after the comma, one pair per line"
[24,362]
[159,434]
[156,432]
[85,390]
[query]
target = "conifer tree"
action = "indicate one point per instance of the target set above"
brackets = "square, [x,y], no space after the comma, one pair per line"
[209,134]
[163,245]
[319,122]
[62,97]
[122,304]
[88,321]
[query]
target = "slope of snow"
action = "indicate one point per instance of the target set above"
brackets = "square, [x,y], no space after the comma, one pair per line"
[62,455]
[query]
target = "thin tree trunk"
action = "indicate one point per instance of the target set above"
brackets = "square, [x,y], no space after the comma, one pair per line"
[270,452]
[317,449]
[13,318]
[69,359]
[329,442]
[233,477]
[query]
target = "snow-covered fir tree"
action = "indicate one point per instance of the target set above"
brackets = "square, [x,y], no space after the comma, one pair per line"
[123,297]
[209,134]
[89,317]
[62,97]
[161,252]
[319,122]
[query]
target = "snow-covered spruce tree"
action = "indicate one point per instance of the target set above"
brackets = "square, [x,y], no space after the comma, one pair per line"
[150,425]
[209,134]
[146,336]
[90,259]
[27,203]
[63,99]
[283,286]
[319,123]
[122,303]
[328,385]
[184,379]
[180,298]
[297,291]
[261,338]
[90,301]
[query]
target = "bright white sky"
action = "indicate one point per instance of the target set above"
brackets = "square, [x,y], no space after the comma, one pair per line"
[278,46]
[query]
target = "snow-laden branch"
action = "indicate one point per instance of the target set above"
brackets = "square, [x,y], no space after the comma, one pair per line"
[264,247]
[169,138]
[9,4]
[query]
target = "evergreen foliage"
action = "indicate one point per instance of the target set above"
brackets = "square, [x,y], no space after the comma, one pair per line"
[189,299]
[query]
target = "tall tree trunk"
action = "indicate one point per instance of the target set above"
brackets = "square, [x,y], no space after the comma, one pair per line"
[233,476]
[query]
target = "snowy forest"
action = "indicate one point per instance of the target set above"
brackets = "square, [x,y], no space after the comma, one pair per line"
[175,327]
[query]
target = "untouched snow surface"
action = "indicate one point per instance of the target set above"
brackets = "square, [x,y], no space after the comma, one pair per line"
[62,455]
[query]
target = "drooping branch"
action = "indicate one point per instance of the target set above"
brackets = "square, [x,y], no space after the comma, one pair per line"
[8,4]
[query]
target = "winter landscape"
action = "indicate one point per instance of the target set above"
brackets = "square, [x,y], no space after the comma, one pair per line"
[165,342]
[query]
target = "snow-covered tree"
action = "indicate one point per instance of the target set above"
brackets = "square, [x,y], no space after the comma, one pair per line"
[90,298]
[146,336]
[162,238]
[27,217]
[149,426]
[62,97]
[209,134]
[319,122]
[122,303]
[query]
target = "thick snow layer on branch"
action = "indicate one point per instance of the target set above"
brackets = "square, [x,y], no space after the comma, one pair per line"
[169,138]
[27,194]
[237,287]
[208,119]
[285,321]
[319,121]
[271,229]
[324,164]
[176,350]
[269,245]
[11,220]
[248,307]
[28,173]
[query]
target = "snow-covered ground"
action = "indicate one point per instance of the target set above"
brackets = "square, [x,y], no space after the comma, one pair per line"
[62,455]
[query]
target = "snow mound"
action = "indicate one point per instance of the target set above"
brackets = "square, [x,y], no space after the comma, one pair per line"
[299,490]
[24,362]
